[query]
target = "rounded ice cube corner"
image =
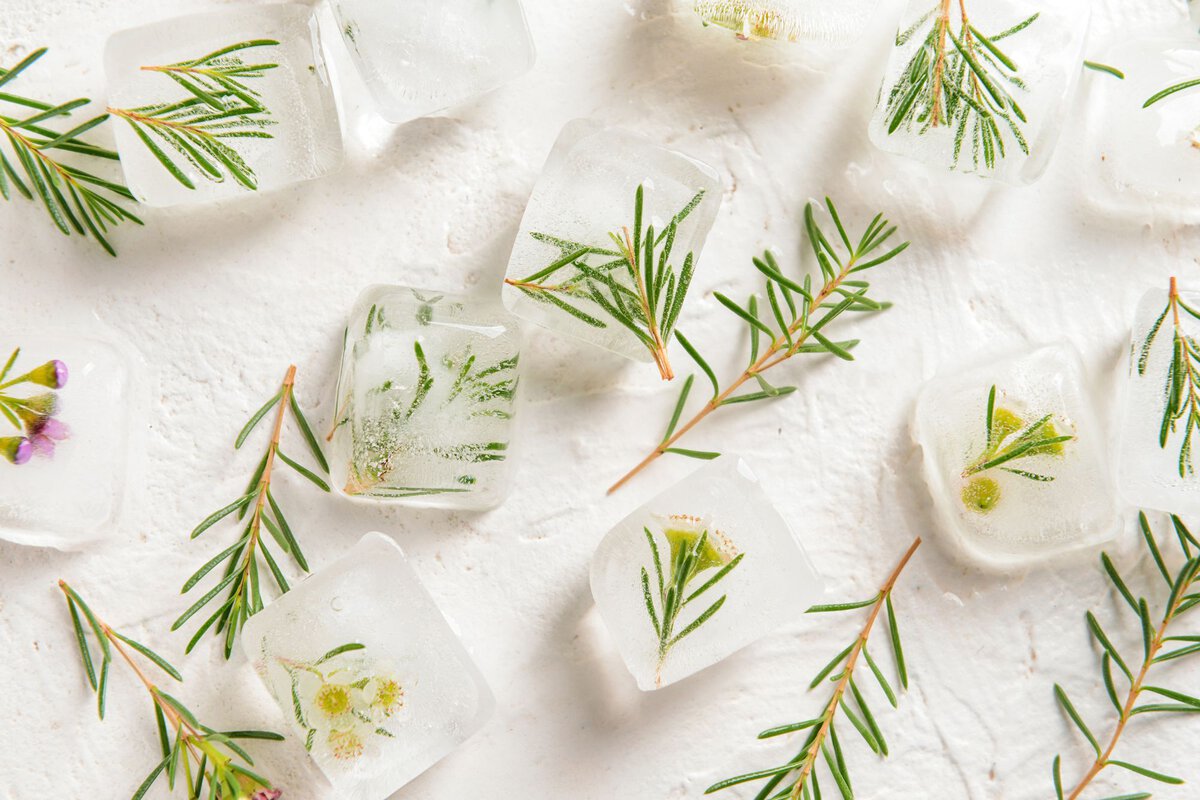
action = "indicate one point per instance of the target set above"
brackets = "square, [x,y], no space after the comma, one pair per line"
[1014,458]
[699,572]
[575,267]
[221,104]
[424,56]
[1011,125]
[367,671]
[426,400]
[68,403]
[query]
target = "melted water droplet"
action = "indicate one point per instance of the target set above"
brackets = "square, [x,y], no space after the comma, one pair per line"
[337,604]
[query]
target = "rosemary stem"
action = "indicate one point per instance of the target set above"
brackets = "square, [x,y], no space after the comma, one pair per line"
[659,350]
[778,352]
[939,68]
[810,759]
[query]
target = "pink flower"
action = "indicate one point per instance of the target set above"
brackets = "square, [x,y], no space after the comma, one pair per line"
[267,794]
[44,432]
[16,449]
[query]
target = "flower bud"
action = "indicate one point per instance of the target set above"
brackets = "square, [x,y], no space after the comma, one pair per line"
[52,374]
[32,409]
[16,449]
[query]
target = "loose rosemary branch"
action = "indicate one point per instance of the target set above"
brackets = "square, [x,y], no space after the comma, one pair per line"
[799,777]
[241,576]
[207,763]
[1182,597]
[800,313]
[635,285]
[963,81]
[222,105]
[75,198]
[1181,394]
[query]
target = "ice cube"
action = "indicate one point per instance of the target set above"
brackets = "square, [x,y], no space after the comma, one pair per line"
[1032,484]
[421,56]
[789,20]
[426,399]
[1152,472]
[585,198]
[1146,159]
[65,449]
[261,115]
[367,671]
[1030,56]
[717,543]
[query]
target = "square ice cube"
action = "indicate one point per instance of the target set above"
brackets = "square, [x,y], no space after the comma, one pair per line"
[581,212]
[1140,158]
[66,402]
[998,113]
[368,672]
[1031,484]
[426,399]
[715,542]
[235,100]
[1154,472]
[422,56]
[789,20]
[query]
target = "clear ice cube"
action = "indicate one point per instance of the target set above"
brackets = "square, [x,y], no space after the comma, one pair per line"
[1146,159]
[584,198]
[66,449]
[1044,42]
[715,525]
[1158,473]
[367,671]
[789,20]
[296,138]
[1037,485]
[426,399]
[422,56]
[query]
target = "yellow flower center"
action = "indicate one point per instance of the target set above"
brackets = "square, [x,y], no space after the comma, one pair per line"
[345,745]
[333,699]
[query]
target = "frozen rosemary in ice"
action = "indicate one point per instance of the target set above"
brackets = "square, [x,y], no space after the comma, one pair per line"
[696,554]
[1181,394]
[631,281]
[201,129]
[1011,440]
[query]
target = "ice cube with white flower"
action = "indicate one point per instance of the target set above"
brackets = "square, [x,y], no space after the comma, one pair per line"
[66,406]
[426,399]
[1015,459]
[418,57]
[699,572]
[610,241]
[1144,131]
[367,671]
[982,88]
[221,104]
[789,20]
[1156,468]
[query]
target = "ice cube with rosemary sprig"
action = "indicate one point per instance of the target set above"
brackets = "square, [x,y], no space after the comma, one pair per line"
[981,87]
[698,572]
[610,241]
[368,673]
[1160,404]
[426,399]
[1014,458]
[788,20]
[215,105]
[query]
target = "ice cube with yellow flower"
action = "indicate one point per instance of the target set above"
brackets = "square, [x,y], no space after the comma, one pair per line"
[699,572]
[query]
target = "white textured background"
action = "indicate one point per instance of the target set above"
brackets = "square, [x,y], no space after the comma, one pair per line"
[220,300]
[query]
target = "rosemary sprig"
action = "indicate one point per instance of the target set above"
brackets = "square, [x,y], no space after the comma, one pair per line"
[222,105]
[1181,394]
[799,777]
[1182,597]
[206,762]
[1009,440]
[961,80]
[633,283]
[241,575]
[800,316]
[692,553]
[76,199]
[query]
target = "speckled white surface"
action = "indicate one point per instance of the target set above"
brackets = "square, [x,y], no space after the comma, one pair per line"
[220,300]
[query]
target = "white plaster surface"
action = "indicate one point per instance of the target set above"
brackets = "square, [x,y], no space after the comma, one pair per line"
[221,299]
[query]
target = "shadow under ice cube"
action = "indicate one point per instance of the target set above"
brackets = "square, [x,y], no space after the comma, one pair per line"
[367,671]
[699,572]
